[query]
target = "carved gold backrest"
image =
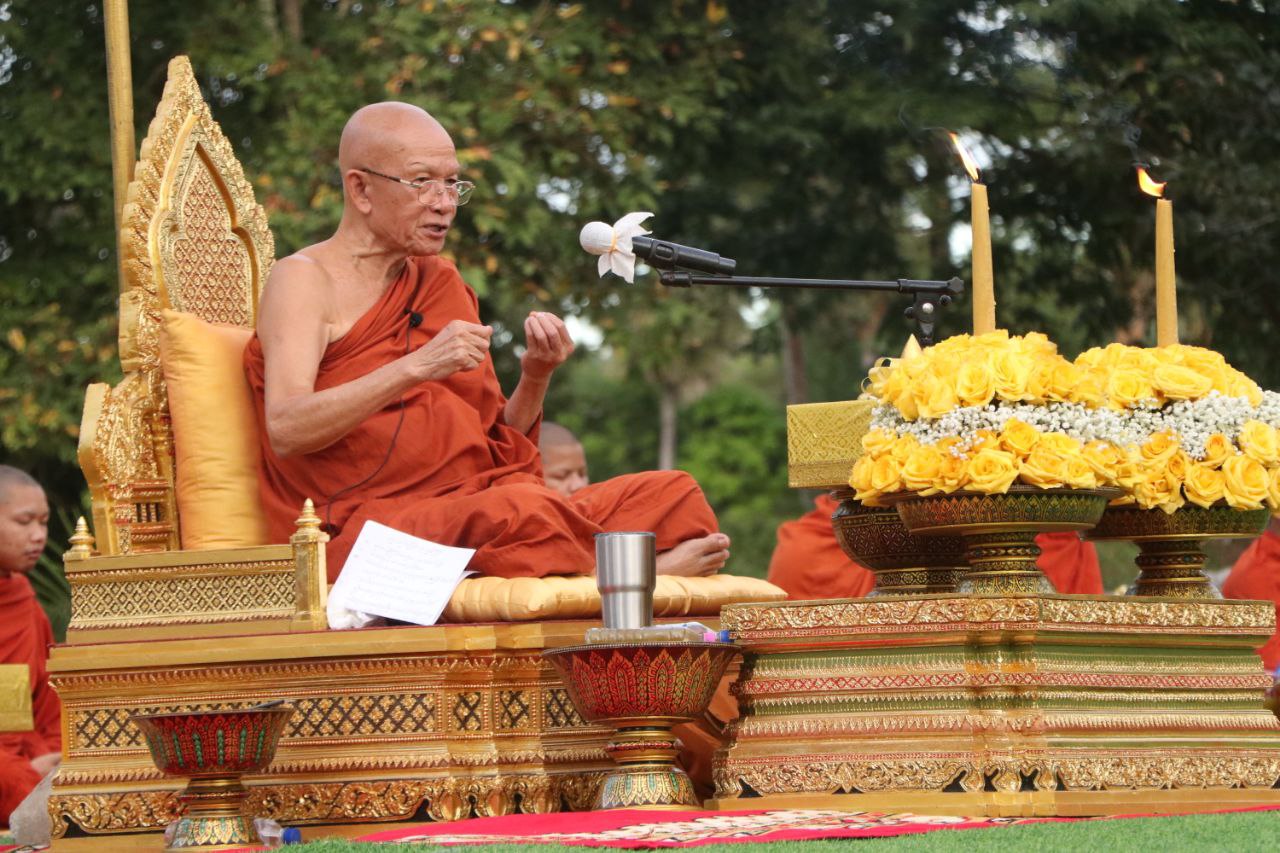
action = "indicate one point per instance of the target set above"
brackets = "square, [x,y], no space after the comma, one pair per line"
[195,240]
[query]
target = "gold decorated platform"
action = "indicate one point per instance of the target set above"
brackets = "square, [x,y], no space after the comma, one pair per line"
[1002,705]
[391,723]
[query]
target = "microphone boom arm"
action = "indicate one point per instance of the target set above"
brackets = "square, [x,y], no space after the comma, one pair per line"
[930,295]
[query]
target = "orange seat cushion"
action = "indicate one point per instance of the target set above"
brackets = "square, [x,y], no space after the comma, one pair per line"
[215,436]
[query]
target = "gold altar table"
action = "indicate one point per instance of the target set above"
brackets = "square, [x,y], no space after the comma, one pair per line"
[1001,706]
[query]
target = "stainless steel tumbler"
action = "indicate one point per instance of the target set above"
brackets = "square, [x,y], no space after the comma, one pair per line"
[625,573]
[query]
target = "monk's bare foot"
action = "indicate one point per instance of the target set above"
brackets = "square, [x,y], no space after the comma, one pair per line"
[695,557]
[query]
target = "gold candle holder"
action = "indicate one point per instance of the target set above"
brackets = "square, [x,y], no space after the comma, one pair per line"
[1170,559]
[642,690]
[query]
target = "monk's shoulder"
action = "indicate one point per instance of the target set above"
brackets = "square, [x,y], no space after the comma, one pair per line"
[298,282]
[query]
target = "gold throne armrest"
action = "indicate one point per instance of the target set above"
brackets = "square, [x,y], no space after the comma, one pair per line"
[195,241]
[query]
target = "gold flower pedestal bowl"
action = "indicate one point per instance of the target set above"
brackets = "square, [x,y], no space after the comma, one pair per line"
[1170,558]
[999,530]
[904,563]
[214,749]
[642,690]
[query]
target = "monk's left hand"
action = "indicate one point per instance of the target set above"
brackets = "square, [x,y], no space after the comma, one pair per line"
[547,344]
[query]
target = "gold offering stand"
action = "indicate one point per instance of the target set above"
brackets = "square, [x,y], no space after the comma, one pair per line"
[1170,558]
[641,690]
[903,562]
[1006,701]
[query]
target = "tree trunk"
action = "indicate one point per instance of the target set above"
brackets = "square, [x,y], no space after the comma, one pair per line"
[794,367]
[270,22]
[291,12]
[668,409]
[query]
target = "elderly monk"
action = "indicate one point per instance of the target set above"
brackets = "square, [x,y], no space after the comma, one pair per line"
[25,637]
[1256,575]
[376,396]
[564,467]
[809,563]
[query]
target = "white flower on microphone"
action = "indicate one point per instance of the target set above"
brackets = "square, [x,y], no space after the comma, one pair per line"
[613,243]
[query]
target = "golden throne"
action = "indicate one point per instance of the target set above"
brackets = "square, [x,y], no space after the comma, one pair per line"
[391,723]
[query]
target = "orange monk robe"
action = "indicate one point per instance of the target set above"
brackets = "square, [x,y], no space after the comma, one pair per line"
[455,472]
[1256,575]
[809,563]
[25,637]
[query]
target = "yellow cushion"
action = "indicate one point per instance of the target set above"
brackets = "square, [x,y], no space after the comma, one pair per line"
[486,599]
[215,435]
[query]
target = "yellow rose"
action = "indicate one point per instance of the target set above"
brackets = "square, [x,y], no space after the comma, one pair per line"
[935,397]
[1216,450]
[1176,466]
[886,476]
[1273,490]
[1159,449]
[1159,490]
[860,476]
[1045,468]
[954,473]
[922,469]
[1009,374]
[974,385]
[983,439]
[992,471]
[1090,389]
[1246,483]
[903,448]
[1181,383]
[1104,459]
[1018,437]
[1080,474]
[1126,387]
[1260,441]
[1203,485]
[878,442]
[1061,443]
[1063,380]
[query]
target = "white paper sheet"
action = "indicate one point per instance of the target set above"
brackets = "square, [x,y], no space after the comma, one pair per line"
[396,576]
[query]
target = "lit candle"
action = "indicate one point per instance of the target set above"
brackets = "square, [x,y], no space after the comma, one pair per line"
[983,285]
[1166,280]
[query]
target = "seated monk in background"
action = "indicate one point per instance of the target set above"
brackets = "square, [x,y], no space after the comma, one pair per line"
[1256,575]
[376,396]
[809,563]
[564,467]
[25,637]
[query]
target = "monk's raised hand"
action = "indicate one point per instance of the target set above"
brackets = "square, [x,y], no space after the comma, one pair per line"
[459,346]
[547,344]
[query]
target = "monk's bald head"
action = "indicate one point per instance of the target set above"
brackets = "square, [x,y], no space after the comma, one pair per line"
[11,478]
[380,136]
[554,435]
[564,464]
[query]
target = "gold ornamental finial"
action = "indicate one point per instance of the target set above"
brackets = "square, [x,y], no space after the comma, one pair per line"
[81,541]
[308,520]
[911,349]
[311,589]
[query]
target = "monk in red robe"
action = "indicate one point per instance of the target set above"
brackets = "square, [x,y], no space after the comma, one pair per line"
[25,637]
[564,468]
[809,563]
[1256,575]
[376,395]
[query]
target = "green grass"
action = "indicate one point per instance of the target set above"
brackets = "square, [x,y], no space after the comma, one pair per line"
[1222,832]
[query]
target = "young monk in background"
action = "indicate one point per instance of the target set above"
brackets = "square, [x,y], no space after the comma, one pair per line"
[564,467]
[809,563]
[1256,575]
[375,394]
[25,637]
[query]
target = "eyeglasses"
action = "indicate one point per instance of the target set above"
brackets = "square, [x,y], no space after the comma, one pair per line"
[459,191]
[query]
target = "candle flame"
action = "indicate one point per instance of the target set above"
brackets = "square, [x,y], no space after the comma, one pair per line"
[970,165]
[1148,186]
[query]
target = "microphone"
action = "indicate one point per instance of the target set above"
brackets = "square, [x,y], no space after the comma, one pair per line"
[415,319]
[664,255]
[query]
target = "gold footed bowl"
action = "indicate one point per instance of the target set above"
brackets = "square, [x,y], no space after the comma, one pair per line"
[903,562]
[642,690]
[1170,559]
[213,749]
[999,531]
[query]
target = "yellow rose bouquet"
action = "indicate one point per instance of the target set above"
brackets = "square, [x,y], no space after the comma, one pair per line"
[1195,430]
[980,413]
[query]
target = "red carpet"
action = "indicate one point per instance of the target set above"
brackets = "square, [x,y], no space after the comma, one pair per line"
[637,828]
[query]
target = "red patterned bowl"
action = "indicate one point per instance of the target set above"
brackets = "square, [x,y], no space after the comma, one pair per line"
[212,743]
[673,681]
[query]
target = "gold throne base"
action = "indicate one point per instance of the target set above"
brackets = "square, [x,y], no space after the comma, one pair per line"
[1002,706]
[391,723]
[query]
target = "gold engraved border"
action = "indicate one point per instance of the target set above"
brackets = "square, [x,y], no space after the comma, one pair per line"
[132,598]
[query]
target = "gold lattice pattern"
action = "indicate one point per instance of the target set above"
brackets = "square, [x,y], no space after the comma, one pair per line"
[514,710]
[467,713]
[824,440]
[255,593]
[561,714]
[355,715]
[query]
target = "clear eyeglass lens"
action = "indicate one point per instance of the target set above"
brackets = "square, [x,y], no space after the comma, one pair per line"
[459,191]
